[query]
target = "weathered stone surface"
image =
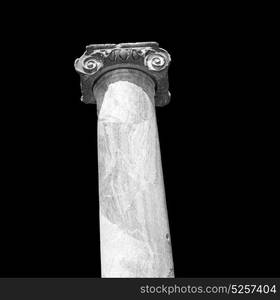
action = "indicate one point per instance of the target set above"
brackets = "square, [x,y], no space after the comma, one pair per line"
[134,230]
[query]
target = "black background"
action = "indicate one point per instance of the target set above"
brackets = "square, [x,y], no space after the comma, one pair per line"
[217,152]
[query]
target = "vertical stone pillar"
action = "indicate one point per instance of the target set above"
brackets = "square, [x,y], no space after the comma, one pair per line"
[126,81]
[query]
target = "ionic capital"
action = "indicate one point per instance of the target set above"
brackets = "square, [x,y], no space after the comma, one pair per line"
[146,57]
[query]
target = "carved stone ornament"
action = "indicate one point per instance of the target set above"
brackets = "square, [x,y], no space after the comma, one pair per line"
[146,57]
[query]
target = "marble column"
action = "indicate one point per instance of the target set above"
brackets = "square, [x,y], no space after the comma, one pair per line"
[127,82]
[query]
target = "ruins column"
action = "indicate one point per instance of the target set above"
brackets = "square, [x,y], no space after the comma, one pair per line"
[127,81]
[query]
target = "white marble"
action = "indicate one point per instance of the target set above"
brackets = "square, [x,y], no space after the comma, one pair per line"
[134,230]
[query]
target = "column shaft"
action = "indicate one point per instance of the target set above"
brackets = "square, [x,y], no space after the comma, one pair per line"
[134,230]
